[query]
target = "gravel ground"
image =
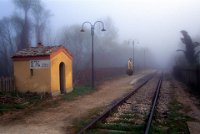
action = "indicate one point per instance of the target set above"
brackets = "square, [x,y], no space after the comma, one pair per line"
[190,108]
[174,109]
[138,106]
[175,112]
[165,97]
[56,120]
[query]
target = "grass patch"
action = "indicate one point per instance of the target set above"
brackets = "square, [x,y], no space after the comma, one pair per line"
[16,100]
[78,91]
[54,104]
[5,107]
[133,129]
[78,124]
[21,105]
[127,116]
[123,120]
[98,131]
[175,122]
[159,130]
[176,119]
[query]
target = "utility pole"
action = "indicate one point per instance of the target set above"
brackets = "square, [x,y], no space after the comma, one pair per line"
[133,50]
[144,58]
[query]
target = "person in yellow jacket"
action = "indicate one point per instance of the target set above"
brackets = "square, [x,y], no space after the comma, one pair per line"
[130,64]
[130,67]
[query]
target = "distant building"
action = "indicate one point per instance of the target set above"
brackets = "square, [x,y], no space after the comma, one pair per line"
[43,69]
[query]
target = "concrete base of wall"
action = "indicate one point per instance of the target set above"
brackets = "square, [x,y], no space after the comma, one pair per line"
[69,90]
[55,93]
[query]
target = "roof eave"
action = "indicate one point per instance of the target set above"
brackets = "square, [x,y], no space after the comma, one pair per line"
[60,50]
[39,57]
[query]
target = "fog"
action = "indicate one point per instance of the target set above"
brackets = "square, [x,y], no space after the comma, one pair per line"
[154,24]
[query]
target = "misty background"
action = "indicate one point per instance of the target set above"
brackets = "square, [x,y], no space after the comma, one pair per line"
[153,25]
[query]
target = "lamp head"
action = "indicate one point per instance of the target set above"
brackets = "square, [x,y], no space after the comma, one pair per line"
[103,30]
[82,30]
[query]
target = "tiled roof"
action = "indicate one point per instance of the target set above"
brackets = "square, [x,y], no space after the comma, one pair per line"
[37,51]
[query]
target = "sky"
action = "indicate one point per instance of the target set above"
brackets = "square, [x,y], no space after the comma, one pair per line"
[155,24]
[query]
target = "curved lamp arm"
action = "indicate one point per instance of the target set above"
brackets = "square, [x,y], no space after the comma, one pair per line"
[86,22]
[103,29]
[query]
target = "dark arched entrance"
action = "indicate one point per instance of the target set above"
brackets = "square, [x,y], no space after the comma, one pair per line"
[62,77]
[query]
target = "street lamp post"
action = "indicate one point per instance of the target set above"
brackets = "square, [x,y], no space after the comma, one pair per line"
[133,50]
[92,34]
[144,58]
[133,43]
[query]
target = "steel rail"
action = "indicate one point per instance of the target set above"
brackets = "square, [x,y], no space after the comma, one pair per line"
[113,106]
[153,106]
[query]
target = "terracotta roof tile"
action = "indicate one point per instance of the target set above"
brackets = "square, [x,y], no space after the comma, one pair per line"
[37,51]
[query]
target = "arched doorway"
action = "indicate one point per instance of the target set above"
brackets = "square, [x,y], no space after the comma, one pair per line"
[62,77]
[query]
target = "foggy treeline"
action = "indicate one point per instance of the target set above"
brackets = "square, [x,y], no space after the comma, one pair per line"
[187,67]
[28,23]
[31,23]
[190,50]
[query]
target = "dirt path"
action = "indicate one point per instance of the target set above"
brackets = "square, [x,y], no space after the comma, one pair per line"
[55,120]
[190,108]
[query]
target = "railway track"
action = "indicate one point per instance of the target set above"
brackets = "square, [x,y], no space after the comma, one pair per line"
[131,114]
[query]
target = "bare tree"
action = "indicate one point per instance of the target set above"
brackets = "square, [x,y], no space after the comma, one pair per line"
[24,36]
[106,45]
[15,31]
[41,18]
[7,45]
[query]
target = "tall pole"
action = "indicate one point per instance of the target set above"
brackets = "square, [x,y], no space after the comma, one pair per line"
[92,34]
[144,58]
[133,50]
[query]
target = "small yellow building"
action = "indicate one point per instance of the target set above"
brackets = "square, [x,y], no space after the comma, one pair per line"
[43,69]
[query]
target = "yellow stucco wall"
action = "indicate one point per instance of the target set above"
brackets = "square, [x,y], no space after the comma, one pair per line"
[38,82]
[55,79]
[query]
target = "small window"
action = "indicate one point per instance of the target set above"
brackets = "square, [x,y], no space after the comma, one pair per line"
[31,71]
